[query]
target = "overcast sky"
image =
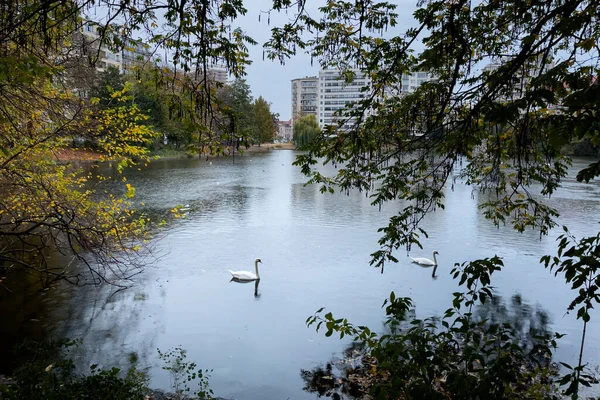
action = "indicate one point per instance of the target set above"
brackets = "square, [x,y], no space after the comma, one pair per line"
[270,79]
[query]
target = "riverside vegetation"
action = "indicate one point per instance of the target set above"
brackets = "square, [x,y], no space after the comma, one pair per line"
[508,123]
[52,375]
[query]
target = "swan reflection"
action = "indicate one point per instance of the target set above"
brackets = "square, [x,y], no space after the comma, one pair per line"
[256,283]
[433,275]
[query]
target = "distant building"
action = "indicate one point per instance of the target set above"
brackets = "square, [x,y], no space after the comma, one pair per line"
[516,88]
[410,82]
[328,95]
[214,74]
[133,54]
[304,97]
[335,94]
[103,56]
[218,73]
[285,130]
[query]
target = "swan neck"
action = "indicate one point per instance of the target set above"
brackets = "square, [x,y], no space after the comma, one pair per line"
[434,260]
[256,269]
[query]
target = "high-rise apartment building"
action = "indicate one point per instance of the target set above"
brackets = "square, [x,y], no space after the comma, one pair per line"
[133,54]
[335,94]
[218,73]
[91,46]
[410,82]
[304,97]
[214,73]
[516,88]
[328,95]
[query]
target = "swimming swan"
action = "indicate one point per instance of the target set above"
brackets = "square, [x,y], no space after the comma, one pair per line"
[247,275]
[426,262]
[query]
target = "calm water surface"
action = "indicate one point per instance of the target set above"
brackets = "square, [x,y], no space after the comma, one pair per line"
[315,251]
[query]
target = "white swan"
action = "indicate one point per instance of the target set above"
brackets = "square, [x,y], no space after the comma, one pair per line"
[426,262]
[247,275]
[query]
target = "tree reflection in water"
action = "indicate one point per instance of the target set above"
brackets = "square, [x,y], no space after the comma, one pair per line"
[351,375]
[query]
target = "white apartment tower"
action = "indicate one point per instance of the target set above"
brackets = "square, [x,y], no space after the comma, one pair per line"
[134,53]
[328,95]
[410,82]
[335,94]
[106,57]
[217,73]
[304,97]
[517,88]
[214,73]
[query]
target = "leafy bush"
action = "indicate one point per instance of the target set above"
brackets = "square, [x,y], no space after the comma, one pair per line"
[46,380]
[465,355]
[183,373]
[59,381]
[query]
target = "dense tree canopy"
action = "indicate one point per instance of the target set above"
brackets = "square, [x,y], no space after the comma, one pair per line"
[306,128]
[48,84]
[237,100]
[44,203]
[247,118]
[484,115]
[263,118]
[504,126]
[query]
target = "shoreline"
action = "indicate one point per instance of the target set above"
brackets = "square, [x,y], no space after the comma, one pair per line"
[69,155]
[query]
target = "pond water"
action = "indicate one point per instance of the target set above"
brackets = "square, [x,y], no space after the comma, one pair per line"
[315,251]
